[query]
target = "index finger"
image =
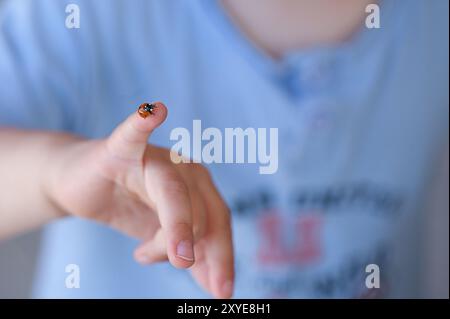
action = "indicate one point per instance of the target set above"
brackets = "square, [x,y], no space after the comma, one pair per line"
[219,248]
[174,208]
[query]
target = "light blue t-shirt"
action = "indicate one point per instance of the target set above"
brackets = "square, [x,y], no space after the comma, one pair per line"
[360,126]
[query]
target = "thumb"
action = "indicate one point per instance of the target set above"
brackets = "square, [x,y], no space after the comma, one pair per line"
[129,140]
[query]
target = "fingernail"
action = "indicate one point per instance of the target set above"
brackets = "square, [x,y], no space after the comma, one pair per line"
[227,288]
[185,250]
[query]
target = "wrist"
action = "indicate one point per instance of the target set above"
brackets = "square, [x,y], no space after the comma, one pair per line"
[63,153]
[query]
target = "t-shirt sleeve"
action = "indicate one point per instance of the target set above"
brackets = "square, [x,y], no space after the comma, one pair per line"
[40,73]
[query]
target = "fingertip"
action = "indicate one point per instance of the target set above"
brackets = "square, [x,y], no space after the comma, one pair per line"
[223,289]
[150,251]
[141,258]
[151,121]
[227,289]
[221,276]
[183,256]
[161,107]
[160,111]
[180,262]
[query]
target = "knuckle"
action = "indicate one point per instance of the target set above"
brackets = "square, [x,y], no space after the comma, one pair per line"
[203,172]
[199,230]
[174,187]
[198,233]
[168,178]
[182,226]
[181,229]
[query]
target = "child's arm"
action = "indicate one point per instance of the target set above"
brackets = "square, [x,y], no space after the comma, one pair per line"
[27,158]
[125,183]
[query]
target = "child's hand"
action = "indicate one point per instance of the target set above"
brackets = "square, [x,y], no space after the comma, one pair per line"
[175,209]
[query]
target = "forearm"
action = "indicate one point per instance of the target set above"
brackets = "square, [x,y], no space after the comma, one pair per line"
[27,161]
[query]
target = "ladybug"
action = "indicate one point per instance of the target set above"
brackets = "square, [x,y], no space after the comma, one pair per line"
[145,109]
